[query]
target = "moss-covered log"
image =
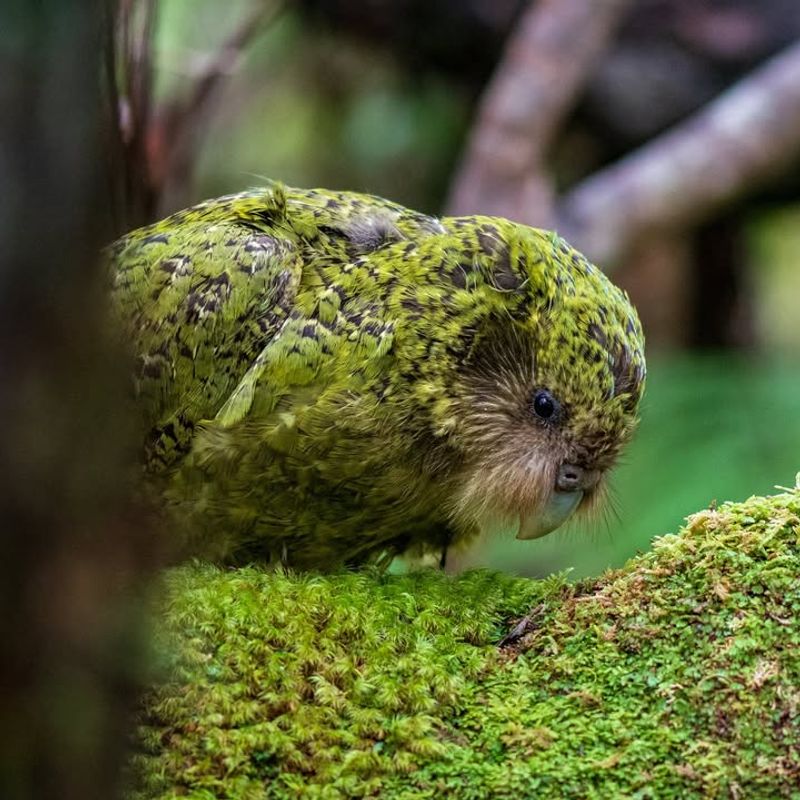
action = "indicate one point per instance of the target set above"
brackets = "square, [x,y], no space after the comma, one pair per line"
[676,676]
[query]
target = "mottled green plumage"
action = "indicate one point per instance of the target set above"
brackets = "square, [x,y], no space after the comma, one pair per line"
[328,377]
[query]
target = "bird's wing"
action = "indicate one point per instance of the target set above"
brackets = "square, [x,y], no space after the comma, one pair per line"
[199,297]
[294,441]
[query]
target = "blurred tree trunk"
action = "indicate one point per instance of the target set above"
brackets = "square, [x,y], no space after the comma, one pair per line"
[72,545]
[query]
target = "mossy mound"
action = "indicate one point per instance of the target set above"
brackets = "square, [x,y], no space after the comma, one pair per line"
[676,676]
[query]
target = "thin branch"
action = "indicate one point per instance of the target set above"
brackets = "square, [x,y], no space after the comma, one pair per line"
[741,139]
[180,118]
[137,26]
[117,170]
[130,66]
[143,61]
[547,60]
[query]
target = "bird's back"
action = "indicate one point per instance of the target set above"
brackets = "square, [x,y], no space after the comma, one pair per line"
[201,293]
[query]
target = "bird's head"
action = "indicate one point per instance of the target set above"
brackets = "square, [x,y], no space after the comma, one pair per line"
[549,385]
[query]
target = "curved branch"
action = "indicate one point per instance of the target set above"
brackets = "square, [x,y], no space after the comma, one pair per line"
[546,62]
[181,117]
[744,137]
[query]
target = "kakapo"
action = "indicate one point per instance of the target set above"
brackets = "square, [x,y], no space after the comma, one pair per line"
[329,378]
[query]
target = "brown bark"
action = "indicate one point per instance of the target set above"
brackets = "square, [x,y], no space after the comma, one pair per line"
[545,64]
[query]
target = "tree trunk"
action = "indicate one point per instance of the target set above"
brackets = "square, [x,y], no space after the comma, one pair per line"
[72,548]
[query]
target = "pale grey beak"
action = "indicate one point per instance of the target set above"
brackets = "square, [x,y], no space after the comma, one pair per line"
[557,511]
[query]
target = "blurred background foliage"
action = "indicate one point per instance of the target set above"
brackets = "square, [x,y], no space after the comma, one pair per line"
[379,97]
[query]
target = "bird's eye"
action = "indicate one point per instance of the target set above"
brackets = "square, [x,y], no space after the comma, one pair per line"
[545,406]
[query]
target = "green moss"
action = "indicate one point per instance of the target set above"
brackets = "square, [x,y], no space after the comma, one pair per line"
[676,676]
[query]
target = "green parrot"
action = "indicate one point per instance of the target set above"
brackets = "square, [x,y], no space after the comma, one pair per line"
[328,378]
